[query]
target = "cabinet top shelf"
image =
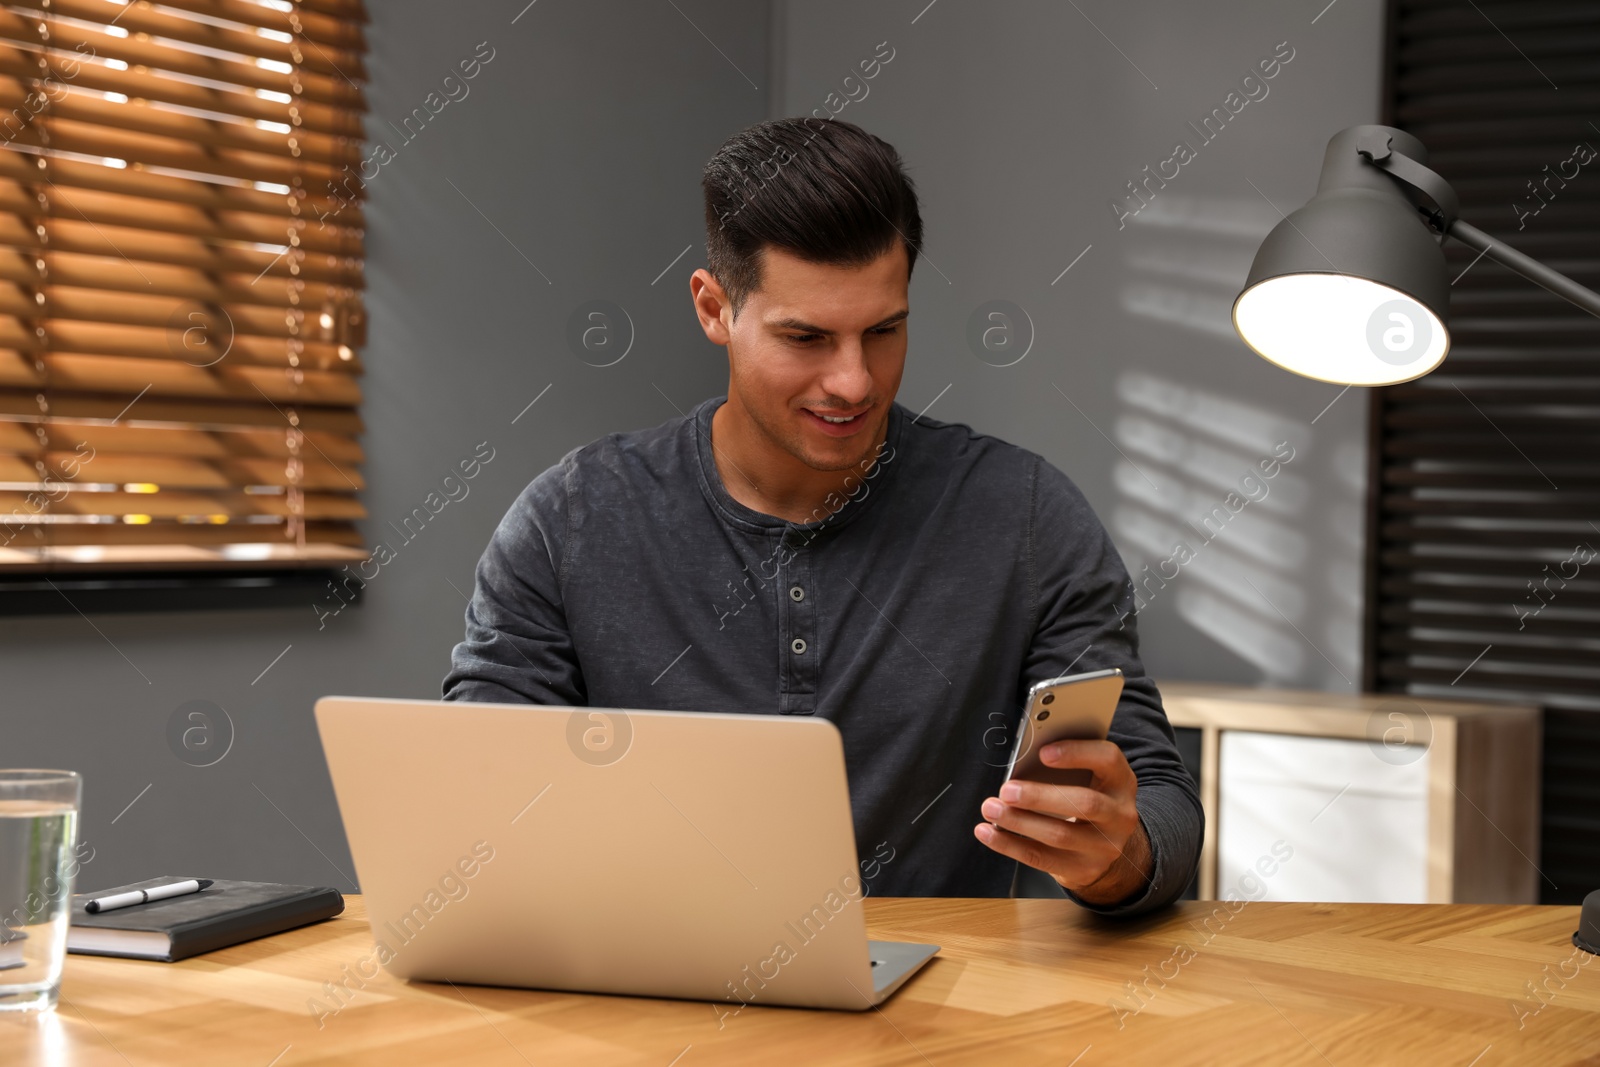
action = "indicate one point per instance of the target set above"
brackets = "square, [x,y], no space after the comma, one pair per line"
[1202,703]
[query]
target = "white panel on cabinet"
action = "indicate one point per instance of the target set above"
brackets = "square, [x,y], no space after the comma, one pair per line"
[1321,819]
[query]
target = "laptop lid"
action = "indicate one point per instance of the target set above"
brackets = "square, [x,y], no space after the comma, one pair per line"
[678,854]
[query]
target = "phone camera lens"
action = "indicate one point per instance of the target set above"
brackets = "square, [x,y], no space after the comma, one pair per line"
[1048,698]
[1043,715]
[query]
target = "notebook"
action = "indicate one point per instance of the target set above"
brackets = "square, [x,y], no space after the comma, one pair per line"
[224,914]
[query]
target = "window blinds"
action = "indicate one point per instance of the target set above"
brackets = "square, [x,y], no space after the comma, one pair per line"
[180,288]
[1487,499]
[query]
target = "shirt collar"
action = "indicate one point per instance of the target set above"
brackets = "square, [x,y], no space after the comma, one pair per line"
[876,480]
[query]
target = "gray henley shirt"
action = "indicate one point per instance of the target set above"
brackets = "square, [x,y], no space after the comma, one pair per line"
[956,573]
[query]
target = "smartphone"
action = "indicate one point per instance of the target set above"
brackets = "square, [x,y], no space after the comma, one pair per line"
[1074,707]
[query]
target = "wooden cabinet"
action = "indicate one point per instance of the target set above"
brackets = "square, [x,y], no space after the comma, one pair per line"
[1378,797]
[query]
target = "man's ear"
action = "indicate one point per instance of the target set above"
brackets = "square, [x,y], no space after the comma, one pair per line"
[710,305]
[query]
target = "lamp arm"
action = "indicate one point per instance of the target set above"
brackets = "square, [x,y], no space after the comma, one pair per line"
[1424,187]
[1529,268]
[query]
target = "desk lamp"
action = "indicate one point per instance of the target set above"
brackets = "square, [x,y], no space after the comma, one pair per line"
[1352,288]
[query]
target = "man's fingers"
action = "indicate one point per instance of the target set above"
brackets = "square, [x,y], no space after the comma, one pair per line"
[1045,829]
[1104,758]
[1061,865]
[1061,801]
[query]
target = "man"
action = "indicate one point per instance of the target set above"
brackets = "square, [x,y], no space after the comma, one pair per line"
[806,546]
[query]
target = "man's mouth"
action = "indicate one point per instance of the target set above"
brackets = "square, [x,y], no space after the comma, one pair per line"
[837,423]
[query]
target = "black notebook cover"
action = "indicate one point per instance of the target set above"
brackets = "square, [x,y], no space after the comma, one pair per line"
[223,914]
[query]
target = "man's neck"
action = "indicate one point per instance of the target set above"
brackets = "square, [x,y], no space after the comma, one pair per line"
[766,478]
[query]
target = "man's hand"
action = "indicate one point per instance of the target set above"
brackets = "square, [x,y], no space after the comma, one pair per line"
[1103,857]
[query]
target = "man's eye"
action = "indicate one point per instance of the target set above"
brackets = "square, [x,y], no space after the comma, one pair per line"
[807,338]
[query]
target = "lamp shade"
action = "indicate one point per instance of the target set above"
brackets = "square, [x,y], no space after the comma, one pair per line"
[1350,288]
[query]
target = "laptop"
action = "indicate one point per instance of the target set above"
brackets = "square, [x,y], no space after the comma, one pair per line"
[702,856]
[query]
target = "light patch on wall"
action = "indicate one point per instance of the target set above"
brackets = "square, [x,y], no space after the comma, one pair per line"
[1186,256]
[1207,491]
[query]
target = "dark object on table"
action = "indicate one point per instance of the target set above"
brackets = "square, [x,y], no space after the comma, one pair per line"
[227,913]
[1588,935]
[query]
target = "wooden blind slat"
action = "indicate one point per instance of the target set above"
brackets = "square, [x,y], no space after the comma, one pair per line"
[67,38]
[169,378]
[1514,684]
[49,72]
[1539,542]
[108,274]
[18,98]
[1519,653]
[135,213]
[134,536]
[180,472]
[1480,477]
[176,504]
[181,328]
[1572,595]
[142,245]
[1423,22]
[1537,450]
[25,405]
[141,18]
[67,340]
[64,436]
[1472,102]
[88,139]
[70,174]
[1511,566]
[340,28]
[164,543]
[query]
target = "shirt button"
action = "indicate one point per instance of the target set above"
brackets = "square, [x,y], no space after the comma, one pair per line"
[798,644]
[796,594]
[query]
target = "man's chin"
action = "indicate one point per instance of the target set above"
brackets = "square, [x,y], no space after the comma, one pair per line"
[846,453]
[829,463]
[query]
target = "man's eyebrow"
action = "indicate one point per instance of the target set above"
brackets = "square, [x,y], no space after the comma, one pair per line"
[806,327]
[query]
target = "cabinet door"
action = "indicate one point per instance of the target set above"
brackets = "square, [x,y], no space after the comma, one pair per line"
[1321,819]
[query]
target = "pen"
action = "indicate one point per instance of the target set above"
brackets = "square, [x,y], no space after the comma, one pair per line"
[144,896]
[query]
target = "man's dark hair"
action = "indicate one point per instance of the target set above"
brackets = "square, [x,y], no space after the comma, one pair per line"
[826,191]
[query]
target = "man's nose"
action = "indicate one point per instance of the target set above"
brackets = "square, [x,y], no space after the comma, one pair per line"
[846,376]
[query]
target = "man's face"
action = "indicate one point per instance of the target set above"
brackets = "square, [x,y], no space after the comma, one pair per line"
[817,341]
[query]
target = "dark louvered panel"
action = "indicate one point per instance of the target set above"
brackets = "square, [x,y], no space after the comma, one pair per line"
[1486,534]
[1570,837]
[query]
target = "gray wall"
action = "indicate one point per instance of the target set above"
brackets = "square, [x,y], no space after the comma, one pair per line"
[570,173]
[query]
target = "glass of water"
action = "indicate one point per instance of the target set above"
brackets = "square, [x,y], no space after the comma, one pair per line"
[38,832]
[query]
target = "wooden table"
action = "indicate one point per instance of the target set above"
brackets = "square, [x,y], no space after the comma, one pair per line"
[1018,982]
